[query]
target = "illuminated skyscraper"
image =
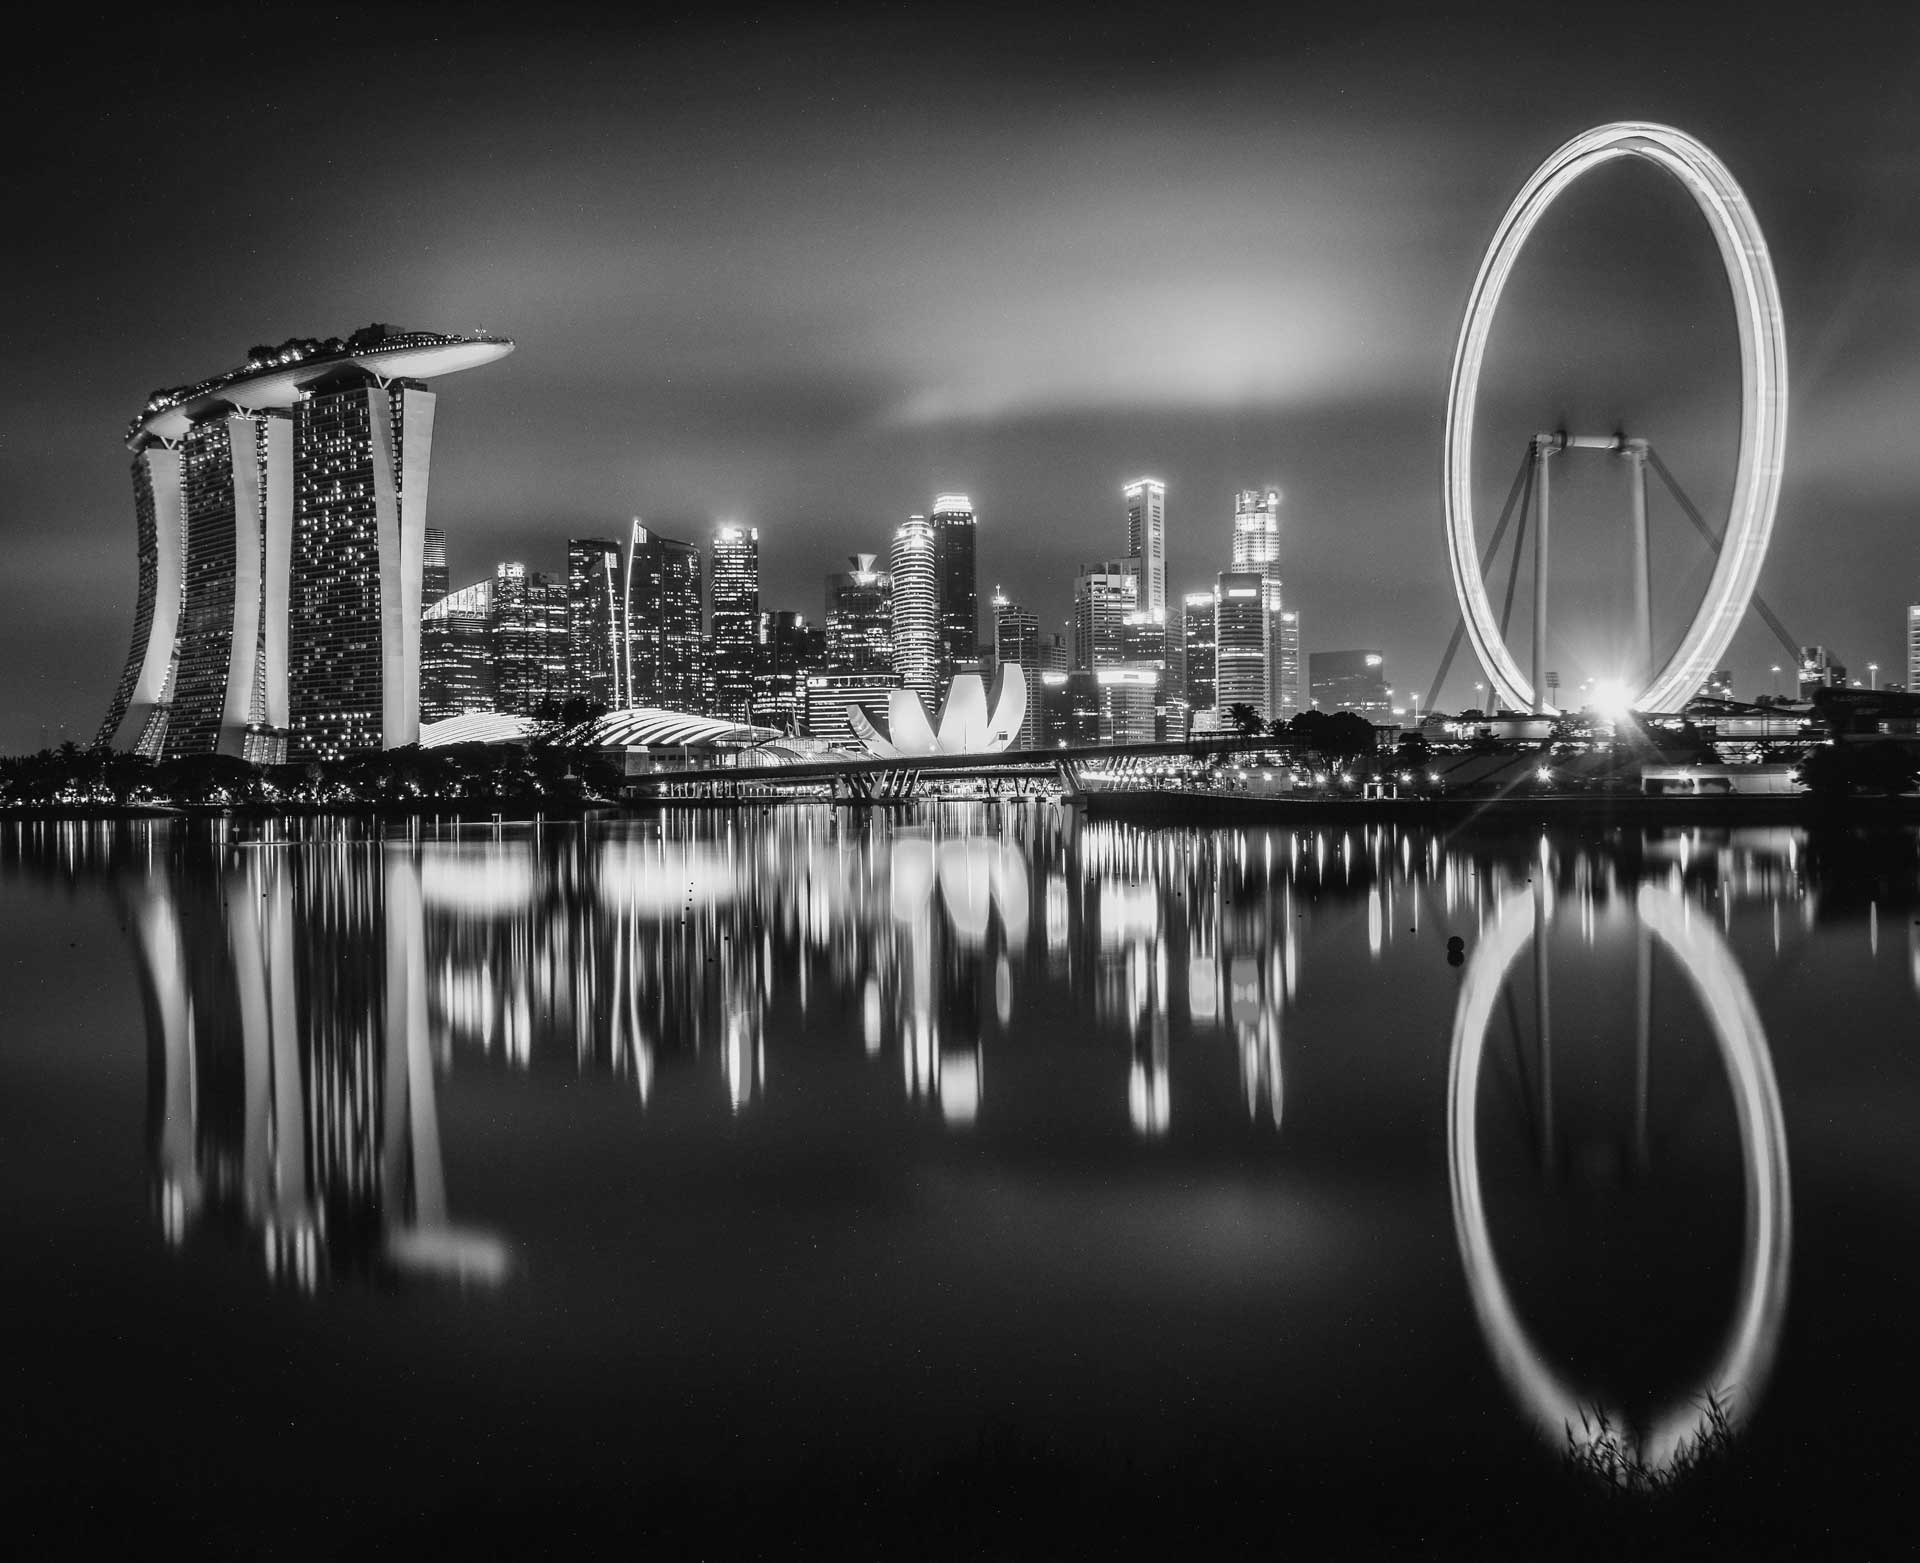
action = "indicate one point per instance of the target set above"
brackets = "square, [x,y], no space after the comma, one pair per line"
[435,583]
[280,516]
[529,636]
[456,654]
[1104,596]
[664,604]
[1016,642]
[1256,548]
[735,626]
[860,618]
[1241,644]
[791,651]
[955,583]
[596,622]
[1289,687]
[1913,648]
[916,627]
[1197,619]
[1147,540]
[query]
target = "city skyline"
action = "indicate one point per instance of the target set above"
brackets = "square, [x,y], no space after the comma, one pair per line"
[1297,300]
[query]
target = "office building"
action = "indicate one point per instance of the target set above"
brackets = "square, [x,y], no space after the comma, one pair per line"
[1353,681]
[596,623]
[1105,595]
[666,645]
[1289,685]
[1016,643]
[1241,644]
[1197,634]
[1133,706]
[791,651]
[956,584]
[1147,540]
[916,618]
[734,624]
[1071,707]
[456,654]
[435,582]
[1256,549]
[282,550]
[859,618]
[1913,647]
[529,638]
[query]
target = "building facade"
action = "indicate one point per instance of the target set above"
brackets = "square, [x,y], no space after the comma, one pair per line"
[435,582]
[1241,645]
[456,654]
[596,623]
[1197,635]
[1289,696]
[859,618]
[666,647]
[1105,595]
[956,583]
[1820,669]
[916,616]
[529,639]
[1147,540]
[1353,681]
[280,523]
[1256,549]
[831,696]
[1016,643]
[734,627]
[791,652]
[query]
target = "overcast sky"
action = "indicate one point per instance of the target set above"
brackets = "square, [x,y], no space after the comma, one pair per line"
[806,273]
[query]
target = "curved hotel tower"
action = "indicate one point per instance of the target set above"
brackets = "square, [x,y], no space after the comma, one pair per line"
[281,515]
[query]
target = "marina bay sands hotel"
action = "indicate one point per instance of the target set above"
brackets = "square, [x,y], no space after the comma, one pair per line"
[281,515]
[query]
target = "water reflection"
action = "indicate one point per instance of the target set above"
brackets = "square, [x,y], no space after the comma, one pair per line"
[1736,1380]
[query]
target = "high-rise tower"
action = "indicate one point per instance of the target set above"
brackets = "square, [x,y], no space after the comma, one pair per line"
[664,603]
[1147,541]
[1016,643]
[280,511]
[1242,645]
[596,622]
[956,583]
[1256,549]
[435,582]
[1197,634]
[1105,595]
[916,620]
[735,626]
[859,618]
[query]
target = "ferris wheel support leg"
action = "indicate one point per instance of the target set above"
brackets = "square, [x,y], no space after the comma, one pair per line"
[1542,449]
[1636,454]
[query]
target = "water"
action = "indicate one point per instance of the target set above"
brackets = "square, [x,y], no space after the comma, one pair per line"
[808,1168]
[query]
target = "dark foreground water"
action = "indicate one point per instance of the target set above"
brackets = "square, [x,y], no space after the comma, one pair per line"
[974,1181]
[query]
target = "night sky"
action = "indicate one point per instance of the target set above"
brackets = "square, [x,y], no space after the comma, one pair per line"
[804,273]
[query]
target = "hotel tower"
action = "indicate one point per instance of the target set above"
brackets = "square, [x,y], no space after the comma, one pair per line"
[280,510]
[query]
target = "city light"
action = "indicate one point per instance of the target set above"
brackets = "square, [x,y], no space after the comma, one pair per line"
[1611,699]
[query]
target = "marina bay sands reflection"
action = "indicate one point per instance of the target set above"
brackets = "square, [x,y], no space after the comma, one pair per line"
[908,1066]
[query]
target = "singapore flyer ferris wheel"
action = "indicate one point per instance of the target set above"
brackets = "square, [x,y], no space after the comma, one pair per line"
[1742,546]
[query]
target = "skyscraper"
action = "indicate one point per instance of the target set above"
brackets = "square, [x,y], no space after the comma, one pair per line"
[1241,642]
[859,618]
[791,651]
[1256,548]
[1104,595]
[916,627]
[1289,687]
[1016,642]
[529,638]
[956,583]
[282,550]
[735,622]
[596,622]
[666,645]
[1197,621]
[1913,648]
[456,654]
[435,582]
[1147,540]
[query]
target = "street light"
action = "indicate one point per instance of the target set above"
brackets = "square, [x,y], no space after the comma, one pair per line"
[1776,680]
[1873,675]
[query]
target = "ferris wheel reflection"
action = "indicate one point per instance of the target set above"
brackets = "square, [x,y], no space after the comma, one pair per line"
[1743,1359]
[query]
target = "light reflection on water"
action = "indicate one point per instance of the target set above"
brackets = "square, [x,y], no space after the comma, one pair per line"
[309,989]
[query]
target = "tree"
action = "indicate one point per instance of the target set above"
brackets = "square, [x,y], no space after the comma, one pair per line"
[1246,720]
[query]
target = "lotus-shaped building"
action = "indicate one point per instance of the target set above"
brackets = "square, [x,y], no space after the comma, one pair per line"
[970,724]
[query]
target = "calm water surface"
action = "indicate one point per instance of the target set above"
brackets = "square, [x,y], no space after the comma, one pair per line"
[381,1179]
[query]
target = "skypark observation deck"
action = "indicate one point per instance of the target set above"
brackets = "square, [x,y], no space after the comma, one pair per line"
[862,780]
[280,513]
